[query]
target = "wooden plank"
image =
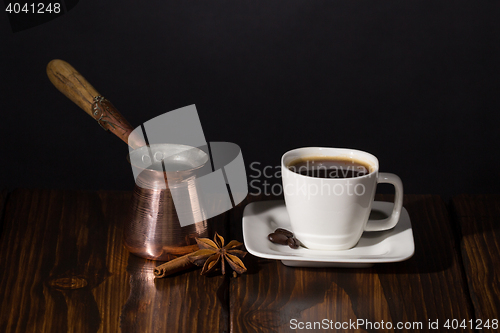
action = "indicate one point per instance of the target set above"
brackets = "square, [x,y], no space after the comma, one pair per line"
[479,216]
[65,270]
[428,286]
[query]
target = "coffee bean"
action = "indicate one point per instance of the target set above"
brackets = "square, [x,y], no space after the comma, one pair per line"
[285,232]
[293,242]
[278,238]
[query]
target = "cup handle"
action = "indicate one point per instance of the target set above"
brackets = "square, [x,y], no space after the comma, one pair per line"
[391,221]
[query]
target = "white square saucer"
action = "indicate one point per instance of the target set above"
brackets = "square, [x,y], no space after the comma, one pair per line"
[263,217]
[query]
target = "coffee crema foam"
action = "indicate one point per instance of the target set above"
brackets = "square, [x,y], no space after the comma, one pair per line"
[330,167]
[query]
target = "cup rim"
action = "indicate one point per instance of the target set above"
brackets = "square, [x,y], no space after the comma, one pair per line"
[375,167]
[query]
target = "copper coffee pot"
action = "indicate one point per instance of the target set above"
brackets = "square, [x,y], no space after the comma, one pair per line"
[153,230]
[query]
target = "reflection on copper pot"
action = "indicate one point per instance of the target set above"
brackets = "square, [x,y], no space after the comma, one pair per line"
[153,230]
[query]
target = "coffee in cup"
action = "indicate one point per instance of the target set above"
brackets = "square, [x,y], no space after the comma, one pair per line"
[329,167]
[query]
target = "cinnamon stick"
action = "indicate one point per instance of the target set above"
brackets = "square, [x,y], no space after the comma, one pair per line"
[173,266]
[208,254]
[180,250]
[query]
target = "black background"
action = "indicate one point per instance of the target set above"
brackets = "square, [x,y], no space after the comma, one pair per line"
[414,82]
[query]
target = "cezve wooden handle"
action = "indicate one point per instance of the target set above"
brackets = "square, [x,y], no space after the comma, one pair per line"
[72,84]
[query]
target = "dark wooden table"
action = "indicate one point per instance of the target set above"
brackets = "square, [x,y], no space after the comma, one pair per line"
[64,269]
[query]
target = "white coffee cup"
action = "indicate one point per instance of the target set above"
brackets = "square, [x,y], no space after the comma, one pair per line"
[332,213]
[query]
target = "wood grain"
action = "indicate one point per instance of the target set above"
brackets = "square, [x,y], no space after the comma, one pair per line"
[65,270]
[429,286]
[478,217]
[72,84]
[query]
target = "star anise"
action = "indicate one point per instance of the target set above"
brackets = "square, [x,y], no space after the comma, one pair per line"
[213,252]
